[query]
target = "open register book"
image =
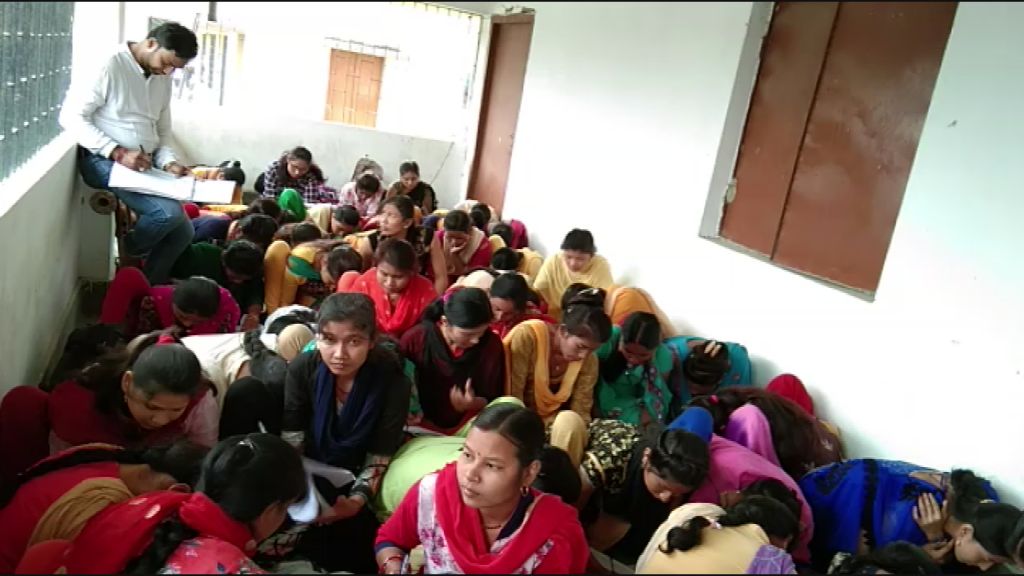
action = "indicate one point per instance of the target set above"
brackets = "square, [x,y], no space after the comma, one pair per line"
[160,183]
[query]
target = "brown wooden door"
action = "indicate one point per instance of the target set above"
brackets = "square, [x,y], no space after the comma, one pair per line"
[503,92]
[354,88]
[842,94]
[873,96]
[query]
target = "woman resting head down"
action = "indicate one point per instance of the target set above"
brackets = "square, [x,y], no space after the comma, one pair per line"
[635,373]
[457,249]
[244,491]
[479,515]
[949,514]
[751,537]
[513,302]
[55,498]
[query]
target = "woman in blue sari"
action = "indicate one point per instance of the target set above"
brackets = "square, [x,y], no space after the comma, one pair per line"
[346,405]
[704,366]
[861,505]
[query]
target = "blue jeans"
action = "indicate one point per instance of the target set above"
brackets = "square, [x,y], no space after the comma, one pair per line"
[162,232]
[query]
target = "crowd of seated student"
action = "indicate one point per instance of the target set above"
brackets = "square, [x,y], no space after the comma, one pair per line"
[500,411]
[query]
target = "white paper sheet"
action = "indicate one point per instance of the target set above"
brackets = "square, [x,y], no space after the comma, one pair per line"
[314,505]
[160,183]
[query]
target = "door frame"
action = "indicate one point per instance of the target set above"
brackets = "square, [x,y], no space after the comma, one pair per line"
[494,21]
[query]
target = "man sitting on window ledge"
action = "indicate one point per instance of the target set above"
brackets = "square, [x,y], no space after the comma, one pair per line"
[122,114]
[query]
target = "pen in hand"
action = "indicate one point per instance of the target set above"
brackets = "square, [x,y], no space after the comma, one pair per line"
[145,159]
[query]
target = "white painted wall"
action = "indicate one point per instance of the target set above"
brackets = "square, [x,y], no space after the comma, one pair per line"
[427,73]
[38,215]
[96,29]
[51,233]
[214,135]
[276,93]
[930,372]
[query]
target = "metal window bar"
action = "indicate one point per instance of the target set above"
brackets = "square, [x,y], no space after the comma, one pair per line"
[205,78]
[35,71]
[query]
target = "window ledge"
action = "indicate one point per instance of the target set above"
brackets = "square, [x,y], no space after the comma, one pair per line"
[726,243]
[19,182]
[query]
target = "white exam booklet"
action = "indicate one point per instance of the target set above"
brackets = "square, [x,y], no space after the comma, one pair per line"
[160,183]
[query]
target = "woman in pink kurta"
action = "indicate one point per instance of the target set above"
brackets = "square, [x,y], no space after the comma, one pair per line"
[733,468]
[195,306]
[457,249]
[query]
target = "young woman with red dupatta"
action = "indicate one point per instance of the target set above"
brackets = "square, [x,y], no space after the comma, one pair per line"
[479,515]
[56,497]
[244,491]
[399,293]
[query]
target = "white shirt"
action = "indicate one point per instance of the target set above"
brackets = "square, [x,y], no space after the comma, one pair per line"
[119,106]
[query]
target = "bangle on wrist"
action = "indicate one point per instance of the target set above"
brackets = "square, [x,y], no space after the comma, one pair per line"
[389,560]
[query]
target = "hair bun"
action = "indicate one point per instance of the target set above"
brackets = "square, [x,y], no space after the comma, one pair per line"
[592,297]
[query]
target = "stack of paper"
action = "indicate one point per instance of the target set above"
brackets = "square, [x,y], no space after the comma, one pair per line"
[160,183]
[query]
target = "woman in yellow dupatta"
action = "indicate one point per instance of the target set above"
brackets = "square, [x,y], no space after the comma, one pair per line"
[623,301]
[552,369]
[524,261]
[307,273]
[578,262]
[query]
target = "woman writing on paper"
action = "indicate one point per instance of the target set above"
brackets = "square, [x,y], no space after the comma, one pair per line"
[346,404]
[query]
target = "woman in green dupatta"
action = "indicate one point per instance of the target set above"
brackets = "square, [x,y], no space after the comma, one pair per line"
[635,368]
[291,201]
[305,274]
